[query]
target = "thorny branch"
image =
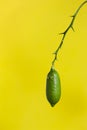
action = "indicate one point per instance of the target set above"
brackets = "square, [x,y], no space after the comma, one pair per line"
[65,32]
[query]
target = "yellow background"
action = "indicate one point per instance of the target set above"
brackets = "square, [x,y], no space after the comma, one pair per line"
[28,37]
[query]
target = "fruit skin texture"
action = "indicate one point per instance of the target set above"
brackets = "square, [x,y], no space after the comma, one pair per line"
[53,87]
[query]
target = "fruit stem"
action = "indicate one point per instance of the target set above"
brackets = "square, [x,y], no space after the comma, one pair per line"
[65,32]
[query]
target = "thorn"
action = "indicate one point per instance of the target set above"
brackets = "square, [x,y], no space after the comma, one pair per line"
[72,28]
[54,53]
[71,16]
[61,33]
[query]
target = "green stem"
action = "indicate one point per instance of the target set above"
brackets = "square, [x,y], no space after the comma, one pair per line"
[65,32]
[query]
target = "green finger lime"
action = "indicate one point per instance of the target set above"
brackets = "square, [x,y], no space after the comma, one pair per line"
[53,87]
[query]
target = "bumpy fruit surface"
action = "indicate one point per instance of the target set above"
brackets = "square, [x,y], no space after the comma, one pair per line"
[53,87]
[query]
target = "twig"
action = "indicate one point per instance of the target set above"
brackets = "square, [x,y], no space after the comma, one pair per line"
[65,32]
